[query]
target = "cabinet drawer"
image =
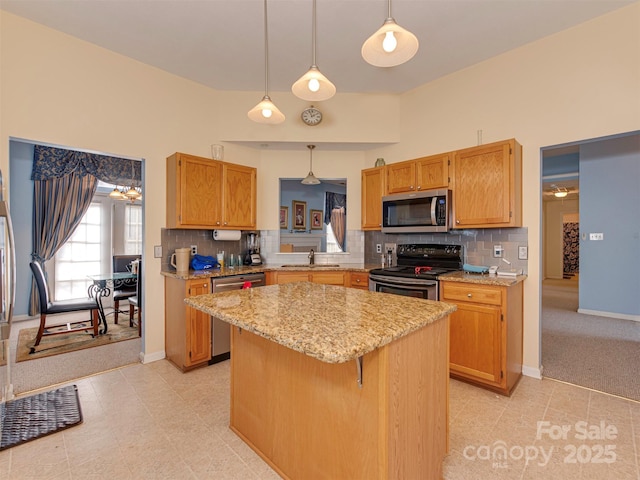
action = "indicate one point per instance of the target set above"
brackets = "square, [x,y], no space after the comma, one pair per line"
[466,292]
[359,280]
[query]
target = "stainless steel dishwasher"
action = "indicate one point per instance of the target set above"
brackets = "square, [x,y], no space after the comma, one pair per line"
[220,331]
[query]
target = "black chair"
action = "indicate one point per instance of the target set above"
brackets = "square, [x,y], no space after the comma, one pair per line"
[123,289]
[136,301]
[47,307]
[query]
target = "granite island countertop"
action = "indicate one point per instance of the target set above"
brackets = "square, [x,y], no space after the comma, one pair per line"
[330,323]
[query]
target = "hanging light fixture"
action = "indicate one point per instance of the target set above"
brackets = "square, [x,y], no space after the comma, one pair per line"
[310,179]
[391,45]
[116,194]
[266,111]
[561,192]
[313,85]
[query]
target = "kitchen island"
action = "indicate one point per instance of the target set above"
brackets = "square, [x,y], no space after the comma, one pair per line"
[332,382]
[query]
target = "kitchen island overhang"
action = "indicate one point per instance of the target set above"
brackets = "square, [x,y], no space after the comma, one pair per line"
[332,382]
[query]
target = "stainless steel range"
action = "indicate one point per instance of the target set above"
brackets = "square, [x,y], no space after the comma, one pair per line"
[417,271]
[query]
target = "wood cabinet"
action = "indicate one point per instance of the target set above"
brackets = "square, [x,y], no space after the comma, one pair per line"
[486,182]
[425,173]
[209,194]
[187,330]
[332,277]
[359,280]
[485,334]
[373,188]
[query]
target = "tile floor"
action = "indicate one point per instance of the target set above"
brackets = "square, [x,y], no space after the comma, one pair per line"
[154,422]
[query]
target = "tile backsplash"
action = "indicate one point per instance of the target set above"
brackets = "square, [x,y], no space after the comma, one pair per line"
[478,246]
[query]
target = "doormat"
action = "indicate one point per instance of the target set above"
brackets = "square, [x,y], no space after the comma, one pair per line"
[28,418]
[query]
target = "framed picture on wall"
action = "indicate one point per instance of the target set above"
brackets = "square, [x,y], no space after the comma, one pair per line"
[284,217]
[316,219]
[299,215]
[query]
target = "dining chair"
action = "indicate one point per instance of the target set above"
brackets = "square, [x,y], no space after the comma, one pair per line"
[122,289]
[49,307]
[136,301]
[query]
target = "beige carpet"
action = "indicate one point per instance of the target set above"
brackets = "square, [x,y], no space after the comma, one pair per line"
[596,352]
[71,342]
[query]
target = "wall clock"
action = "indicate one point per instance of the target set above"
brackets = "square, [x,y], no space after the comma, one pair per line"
[311,116]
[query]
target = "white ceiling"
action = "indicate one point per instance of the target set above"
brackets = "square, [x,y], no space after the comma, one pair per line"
[220,43]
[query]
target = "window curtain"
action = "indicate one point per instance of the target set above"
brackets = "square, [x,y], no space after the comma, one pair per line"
[335,213]
[65,182]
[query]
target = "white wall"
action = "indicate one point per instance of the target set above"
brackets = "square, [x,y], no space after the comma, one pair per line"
[578,84]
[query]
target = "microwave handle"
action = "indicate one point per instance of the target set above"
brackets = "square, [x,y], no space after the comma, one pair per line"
[434,204]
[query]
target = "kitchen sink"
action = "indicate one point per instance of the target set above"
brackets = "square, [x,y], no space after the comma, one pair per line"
[306,265]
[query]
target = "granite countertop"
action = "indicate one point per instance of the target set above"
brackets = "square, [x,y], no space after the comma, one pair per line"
[244,270]
[330,323]
[481,278]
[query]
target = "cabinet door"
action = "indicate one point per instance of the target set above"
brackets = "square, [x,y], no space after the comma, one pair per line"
[401,177]
[329,278]
[194,189]
[239,203]
[475,333]
[288,277]
[359,280]
[432,172]
[486,183]
[372,191]
[198,328]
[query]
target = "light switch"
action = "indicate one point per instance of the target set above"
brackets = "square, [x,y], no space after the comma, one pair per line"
[157,251]
[596,236]
[523,253]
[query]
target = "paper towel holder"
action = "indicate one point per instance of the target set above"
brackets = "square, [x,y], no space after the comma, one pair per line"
[229,235]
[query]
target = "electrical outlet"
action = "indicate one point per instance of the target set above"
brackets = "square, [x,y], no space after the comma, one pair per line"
[390,246]
[596,236]
[194,249]
[157,251]
[497,251]
[378,248]
[523,253]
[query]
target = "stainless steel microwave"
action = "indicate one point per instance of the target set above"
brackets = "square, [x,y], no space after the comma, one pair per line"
[417,212]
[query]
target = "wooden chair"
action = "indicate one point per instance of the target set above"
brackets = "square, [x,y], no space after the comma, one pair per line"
[122,289]
[136,301]
[47,307]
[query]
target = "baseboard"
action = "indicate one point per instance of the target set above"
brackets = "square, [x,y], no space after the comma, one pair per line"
[620,316]
[532,372]
[152,357]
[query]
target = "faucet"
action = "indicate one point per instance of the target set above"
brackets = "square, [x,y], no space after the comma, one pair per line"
[311,257]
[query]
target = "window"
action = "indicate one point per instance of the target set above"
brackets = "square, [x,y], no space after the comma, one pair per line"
[332,243]
[80,256]
[133,229]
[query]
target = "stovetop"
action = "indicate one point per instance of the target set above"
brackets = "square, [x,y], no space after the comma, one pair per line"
[424,260]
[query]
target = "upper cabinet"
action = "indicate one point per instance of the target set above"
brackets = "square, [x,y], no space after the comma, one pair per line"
[424,173]
[372,191]
[486,183]
[208,194]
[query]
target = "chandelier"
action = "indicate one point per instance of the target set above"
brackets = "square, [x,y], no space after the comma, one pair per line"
[131,193]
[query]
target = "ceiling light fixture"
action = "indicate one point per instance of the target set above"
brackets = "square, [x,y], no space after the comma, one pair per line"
[266,111]
[390,45]
[313,85]
[311,178]
[561,193]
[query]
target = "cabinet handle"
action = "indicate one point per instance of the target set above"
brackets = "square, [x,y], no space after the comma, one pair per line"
[419,187]
[458,221]
[411,187]
[217,223]
[468,295]
[225,223]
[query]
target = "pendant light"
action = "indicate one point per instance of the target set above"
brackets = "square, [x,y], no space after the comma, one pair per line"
[266,111]
[391,45]
[313,85]
[311,178]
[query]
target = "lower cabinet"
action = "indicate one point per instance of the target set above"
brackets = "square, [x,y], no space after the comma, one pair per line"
[485,334]
[334,277]
[187,330]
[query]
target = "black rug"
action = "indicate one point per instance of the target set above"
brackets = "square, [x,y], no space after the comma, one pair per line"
[28,418]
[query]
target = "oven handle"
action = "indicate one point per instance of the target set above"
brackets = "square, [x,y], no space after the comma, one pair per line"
[407,286]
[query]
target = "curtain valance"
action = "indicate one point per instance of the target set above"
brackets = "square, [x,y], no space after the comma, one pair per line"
[51,162]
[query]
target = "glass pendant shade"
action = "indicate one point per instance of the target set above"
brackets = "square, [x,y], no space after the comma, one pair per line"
[116,194]
[313,86]
[391,45]
[266,112]
[310,179]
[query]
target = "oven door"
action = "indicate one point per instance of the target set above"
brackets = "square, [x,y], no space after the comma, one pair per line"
[426,289]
